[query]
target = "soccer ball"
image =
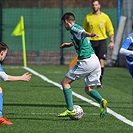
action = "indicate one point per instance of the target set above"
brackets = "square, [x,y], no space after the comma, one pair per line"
[79,113]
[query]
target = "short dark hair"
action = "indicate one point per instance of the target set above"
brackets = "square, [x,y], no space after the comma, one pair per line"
[96,0]
[68,16]
[3,46]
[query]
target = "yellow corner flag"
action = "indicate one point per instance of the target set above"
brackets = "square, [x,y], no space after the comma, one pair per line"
[73,62]
[19,31]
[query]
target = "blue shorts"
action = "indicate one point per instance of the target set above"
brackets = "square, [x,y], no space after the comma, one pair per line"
[130,68]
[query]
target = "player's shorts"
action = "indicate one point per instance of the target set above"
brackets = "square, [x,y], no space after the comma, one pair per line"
[100,48]
[89,69]
[130,68]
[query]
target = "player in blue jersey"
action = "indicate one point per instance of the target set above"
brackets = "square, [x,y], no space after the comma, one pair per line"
[127,50]
[88,66]
[5,77]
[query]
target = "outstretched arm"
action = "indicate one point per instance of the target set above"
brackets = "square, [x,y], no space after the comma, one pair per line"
[126,52]
[66,45]
[87,34]
[24,77]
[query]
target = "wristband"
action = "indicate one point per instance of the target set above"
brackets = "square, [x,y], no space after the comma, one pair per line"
[112,41]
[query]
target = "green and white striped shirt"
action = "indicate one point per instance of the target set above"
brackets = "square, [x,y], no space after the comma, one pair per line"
[82,45]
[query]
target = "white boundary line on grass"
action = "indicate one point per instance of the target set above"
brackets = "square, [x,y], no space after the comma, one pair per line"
[118,116]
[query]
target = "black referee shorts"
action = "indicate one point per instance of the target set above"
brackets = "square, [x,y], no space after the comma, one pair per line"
[100,48]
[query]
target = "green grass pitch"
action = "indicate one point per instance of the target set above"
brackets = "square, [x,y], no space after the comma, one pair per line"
[33,106]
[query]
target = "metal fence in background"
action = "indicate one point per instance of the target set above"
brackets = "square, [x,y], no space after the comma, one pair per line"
[43,29]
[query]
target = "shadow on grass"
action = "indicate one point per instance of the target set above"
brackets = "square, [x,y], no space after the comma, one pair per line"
[33,105]
[43,118]
[47,105]
[120,105]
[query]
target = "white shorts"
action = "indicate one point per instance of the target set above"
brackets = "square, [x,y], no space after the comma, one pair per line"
[89,69]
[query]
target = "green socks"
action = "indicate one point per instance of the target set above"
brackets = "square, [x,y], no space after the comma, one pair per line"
[95,94]
[68,98]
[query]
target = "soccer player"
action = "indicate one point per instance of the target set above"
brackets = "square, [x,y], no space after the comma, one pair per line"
[100,23]
[87,66]
[5,77]
[127,50]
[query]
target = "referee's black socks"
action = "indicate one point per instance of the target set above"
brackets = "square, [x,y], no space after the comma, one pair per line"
[102,72]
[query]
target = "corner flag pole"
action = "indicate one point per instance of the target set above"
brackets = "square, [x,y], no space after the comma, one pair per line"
[23,43]
[19,31]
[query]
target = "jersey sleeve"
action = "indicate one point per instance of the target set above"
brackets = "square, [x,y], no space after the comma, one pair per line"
[78,33]
[126,52]
[109,26]
[3,76]
[125,47]
[85,24]
[126,43]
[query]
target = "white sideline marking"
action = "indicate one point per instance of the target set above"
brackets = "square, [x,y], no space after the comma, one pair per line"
[118,116]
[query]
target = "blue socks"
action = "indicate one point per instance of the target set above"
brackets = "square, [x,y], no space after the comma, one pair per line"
[1,104]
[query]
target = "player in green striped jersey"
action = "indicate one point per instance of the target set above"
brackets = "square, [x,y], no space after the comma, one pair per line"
[88,66]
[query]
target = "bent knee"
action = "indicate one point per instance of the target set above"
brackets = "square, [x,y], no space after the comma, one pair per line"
[88,89]
[0,90]
[66,82]
[62,82]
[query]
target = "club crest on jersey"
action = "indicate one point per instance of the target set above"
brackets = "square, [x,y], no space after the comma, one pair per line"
[101,25]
